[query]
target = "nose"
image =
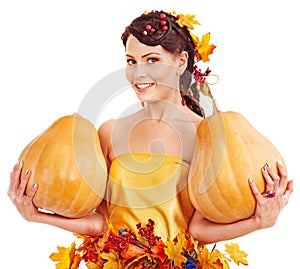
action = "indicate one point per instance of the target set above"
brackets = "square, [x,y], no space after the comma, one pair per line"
[140,71]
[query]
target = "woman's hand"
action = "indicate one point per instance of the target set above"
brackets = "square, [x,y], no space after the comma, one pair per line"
[93,224]
[274,199]
[16,193]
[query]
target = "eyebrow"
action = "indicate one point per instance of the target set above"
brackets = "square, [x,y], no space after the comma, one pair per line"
[145,55]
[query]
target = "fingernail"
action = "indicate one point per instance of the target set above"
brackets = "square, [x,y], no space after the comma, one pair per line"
[19,163]
[34,185]
[280,163]
[251,180]
[27,172]
[268,165]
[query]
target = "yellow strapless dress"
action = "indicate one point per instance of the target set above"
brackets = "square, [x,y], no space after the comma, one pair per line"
[144,186]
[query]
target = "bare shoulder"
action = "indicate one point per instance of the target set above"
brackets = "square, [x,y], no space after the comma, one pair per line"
[195,119]
[112,132]
[104,133]
[105,128]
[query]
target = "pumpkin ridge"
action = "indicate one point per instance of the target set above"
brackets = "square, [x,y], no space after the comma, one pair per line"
[219,211]
[46,188]
[212,167]
[45,204]
[35,166]
[239,185]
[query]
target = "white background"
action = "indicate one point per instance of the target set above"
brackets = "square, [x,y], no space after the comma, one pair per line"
[53,52]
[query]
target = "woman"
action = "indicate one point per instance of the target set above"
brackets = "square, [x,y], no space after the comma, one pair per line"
[149,152]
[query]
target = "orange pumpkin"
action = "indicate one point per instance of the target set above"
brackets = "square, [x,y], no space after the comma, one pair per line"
[67,163]
[229,151]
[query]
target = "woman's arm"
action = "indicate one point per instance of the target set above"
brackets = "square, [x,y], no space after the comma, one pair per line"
[93,224]
[265,216]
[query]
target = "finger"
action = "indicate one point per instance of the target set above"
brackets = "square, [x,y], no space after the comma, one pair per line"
[32,191]
[275,178]
[269,181]
[23,183]
[15,178]
[254,189]
[282,174]
[288,192]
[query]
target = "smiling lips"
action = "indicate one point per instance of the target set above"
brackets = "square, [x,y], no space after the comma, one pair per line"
[142,87]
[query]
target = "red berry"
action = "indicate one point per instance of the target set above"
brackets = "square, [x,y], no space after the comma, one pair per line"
[165,28]
[163,22]
[162,16]
[148,27]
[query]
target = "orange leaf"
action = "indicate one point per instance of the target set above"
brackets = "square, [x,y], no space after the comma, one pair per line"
[236,254]
[159,251]
[204,48]
[101,242]
[138,262]
[76,262]
[131,251]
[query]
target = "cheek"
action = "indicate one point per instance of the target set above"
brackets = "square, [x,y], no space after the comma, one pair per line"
[165,75]
[129,74]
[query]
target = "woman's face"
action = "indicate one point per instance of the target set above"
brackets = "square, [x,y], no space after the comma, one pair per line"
[152,70]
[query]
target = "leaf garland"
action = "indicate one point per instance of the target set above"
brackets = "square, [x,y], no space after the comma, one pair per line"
[122,249]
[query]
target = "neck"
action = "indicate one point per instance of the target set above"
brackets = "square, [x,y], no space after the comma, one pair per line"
[163,110]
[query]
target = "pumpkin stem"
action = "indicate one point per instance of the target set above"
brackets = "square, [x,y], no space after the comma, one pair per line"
[215,106]
[214,102]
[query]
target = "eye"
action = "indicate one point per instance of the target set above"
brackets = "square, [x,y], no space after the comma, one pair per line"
[152,60]
[130,62]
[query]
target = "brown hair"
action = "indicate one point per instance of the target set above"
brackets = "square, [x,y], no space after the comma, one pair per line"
[175,39]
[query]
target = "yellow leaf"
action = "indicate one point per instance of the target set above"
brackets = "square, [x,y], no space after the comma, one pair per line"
[111,227]
[64,257]
[219,258]
[187,20]
[113,260]
[92,265]
[205,259]
[174,250]
[236,254]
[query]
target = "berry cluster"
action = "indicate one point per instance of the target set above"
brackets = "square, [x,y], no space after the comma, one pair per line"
[90,255]
[201,77]
[148,233]
[119,241]
[163,24]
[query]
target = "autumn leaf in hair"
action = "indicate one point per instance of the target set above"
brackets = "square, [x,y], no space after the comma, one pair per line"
[187,20]
[203,48]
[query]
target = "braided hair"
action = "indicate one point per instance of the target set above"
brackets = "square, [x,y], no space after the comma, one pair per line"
[173,38]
